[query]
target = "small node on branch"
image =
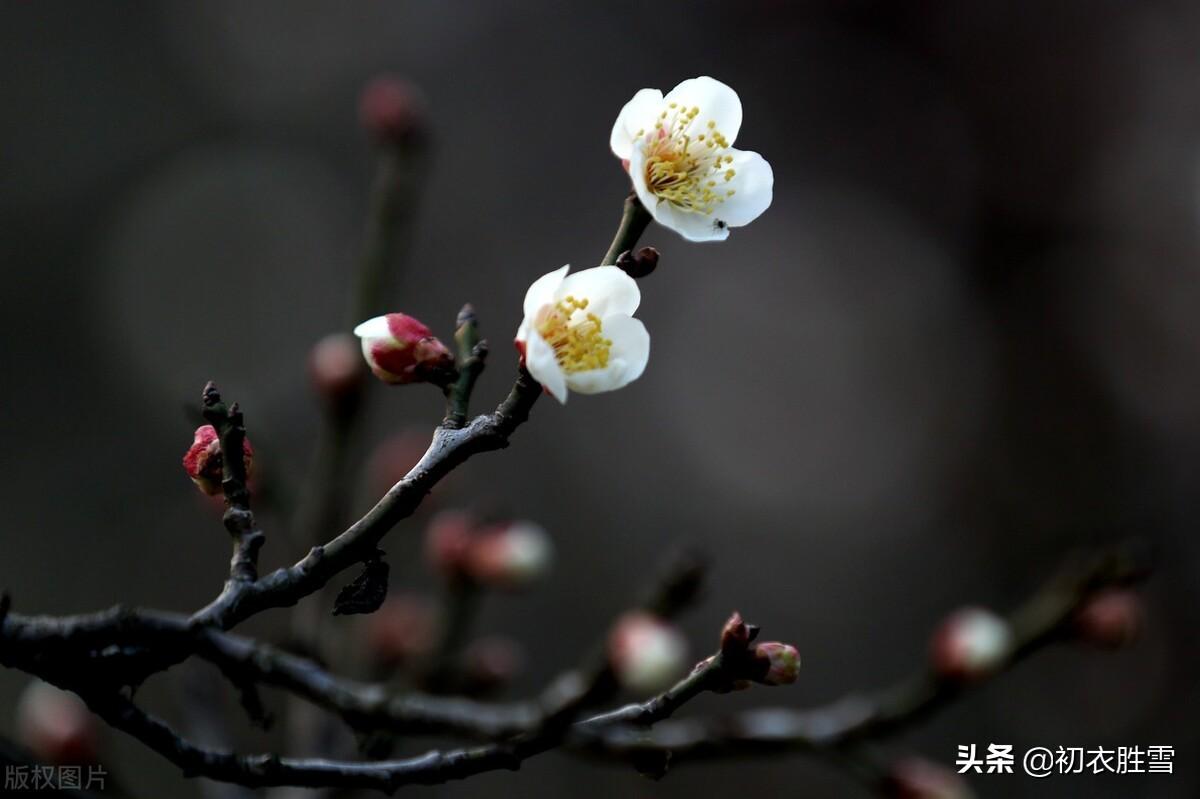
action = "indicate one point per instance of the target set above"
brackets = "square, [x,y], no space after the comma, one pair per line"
[367,592]
[472,357]
[639,264]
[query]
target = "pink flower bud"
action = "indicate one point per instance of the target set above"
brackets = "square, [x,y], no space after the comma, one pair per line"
[646,653]
[392,110]
[202,461]
[492,662]
[335,367]
[510,555]
[448,541]
[56,726]
[400,349]
[971,643]
[781,661]
[403,629]
[916,778]
[1111,618]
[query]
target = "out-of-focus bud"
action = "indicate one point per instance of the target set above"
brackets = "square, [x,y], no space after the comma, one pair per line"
[335,368]
[448,542]
[400,349]
[392,110]
[780,663]
[646,653]
[203,463]
[1111,618]
[492,662]
[395,457]
[971,643]
[638,264]
[917,778]
[509,555]
[402,630]
[56,726]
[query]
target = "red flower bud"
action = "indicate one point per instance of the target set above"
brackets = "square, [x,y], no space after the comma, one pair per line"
[56,726]
[1111,618]
[492,662]
[509,555]
[392,110]
[646,653]
[736,635]
[780,663]
[400,349]
[403,629]
[971,643]
[203,463]
[915,778]
[335,367]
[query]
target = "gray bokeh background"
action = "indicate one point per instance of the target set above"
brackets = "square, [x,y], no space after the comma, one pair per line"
[963,340]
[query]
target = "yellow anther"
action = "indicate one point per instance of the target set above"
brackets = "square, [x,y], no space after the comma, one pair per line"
[578,340]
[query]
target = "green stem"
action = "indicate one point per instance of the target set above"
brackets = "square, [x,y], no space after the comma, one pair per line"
[633,224]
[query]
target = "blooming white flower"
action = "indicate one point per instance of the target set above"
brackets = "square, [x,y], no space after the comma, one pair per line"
[678,150]
[579,333]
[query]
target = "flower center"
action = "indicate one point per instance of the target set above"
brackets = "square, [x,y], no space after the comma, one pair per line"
[576,336]
[686,165]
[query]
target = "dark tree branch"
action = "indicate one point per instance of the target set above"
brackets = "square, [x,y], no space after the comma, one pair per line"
[239,519]
[634,221]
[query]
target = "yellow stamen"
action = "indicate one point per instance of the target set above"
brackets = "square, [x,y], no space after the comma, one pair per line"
[683,166]
[576,336]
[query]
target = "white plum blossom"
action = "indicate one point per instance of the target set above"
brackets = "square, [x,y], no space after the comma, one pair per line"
[680,155]
[579,333]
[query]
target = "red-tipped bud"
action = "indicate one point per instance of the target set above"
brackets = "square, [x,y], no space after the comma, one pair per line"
[646,653]
[916,778]
[448,541]
[492,662]
[638,264]
[1111,618]
[335,368]
[736,635]
[203,463]
[402,630]
[780,663]
[392,110]
[510,555]
[971,643]
[56,726]
[400,349]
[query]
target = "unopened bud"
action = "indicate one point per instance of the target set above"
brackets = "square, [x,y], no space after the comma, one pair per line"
[335,367]
[400,349]
[392,110]
[203,462]
[780,663]
[916,778]
[638,264]
[56,726]
[736,635]
[646,653]
[510,555]
[403,629]
[1111,618]
[448,541]
[971,643]
[492,662]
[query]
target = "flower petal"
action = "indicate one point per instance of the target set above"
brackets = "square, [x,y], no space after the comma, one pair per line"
[376,327]
[717,103]
[638,114]
[691,225]
[608,290]
[541,292]
[752,186]
[543,365]
[626,362]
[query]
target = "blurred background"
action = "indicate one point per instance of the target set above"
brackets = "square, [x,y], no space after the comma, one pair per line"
[962,342]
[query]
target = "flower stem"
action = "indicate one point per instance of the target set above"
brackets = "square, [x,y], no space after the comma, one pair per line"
[633,224]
